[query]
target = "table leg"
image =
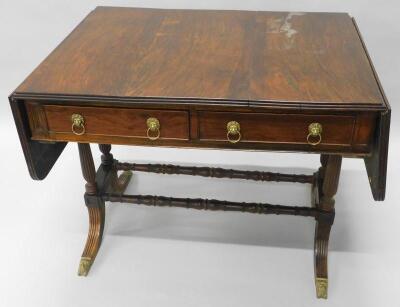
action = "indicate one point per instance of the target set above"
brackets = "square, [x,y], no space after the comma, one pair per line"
[328,182]
[95,207]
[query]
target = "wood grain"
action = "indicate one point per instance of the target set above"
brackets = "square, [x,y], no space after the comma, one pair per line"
[232,55]
[211,204]
[215,172]
[276,128]
[118,121]
[328,180]
[96,210]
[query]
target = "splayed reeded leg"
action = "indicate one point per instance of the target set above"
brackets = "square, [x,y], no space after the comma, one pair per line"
[328,179]
[96,210]
[96,226]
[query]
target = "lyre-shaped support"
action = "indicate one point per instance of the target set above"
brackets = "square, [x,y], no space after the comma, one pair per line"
[107,186]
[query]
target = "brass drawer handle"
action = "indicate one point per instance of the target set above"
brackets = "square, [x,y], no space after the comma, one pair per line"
[78,124]
[153,128]
[233,129]
[314,136]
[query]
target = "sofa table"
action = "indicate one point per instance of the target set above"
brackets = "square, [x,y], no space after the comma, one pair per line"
[243,80]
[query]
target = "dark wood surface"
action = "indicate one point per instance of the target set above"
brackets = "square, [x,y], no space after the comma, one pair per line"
[276,128]
[235,55]
[187,127]
[40,157]
[214,172]
[327,181]
[96,209]
[324,184]
[119,122]
[273,72]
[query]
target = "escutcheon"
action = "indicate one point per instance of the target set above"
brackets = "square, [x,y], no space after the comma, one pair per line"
[78,124]
[314,136]
[233,129]
[153,128]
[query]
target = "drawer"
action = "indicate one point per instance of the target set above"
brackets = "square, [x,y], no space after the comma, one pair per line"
[123,122]
[276,128]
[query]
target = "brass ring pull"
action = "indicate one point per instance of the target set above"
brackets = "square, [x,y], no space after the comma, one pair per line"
[233,128]
[314,132]
[153,127]
[78,122]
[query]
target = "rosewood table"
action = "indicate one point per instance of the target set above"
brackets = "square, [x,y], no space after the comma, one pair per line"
[244,80]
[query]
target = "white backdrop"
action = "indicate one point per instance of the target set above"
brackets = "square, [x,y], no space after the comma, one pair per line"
[175,257]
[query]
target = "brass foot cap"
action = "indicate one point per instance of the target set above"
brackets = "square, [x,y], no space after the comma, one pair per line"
[84,266]
[321,285]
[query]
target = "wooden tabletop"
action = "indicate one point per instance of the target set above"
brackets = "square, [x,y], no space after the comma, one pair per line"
[230,55]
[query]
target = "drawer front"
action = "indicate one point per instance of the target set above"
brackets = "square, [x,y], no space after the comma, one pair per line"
[276,128]
[121,122]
